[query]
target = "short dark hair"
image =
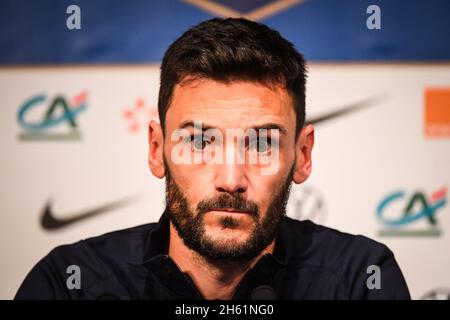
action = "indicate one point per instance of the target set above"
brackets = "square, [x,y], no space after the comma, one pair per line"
[233,49]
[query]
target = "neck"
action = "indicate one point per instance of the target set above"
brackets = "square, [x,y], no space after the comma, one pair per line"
[214,279]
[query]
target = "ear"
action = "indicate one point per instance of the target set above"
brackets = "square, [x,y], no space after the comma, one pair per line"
[303,150]
[155,149]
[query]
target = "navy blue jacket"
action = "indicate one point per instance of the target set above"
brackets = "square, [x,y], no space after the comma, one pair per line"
[309,262]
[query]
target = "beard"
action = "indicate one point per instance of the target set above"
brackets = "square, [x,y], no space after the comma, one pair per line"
[190,224]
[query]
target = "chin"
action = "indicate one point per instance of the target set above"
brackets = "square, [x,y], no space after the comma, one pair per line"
[228,237]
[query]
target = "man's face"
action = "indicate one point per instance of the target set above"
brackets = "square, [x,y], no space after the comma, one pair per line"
[229,209]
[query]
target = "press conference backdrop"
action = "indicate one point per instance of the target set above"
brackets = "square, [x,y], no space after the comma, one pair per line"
[75,104]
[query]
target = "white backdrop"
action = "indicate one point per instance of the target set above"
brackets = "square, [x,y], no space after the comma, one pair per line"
[359,158]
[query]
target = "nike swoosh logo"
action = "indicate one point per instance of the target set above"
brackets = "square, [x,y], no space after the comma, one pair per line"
[50,222]
[343,111]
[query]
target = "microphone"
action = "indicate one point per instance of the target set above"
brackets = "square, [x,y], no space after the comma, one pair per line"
[263,293]
[107,296]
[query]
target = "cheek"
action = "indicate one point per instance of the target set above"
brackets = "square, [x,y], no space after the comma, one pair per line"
[276,169]
[193,180]
[264,189]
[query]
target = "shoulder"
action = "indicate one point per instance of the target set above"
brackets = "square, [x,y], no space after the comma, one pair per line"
[98,259]
[331,244]
[348,259]
[125,245]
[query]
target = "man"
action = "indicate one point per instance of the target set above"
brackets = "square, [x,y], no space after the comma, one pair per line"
[231,140]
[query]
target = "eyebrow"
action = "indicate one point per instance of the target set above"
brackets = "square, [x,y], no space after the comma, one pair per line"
[267,126]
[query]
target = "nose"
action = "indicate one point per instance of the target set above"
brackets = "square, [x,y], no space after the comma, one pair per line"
[231,178]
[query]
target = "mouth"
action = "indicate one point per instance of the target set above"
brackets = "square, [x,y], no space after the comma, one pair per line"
[231,210]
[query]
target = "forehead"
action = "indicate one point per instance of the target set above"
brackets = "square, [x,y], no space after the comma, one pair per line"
[235,104]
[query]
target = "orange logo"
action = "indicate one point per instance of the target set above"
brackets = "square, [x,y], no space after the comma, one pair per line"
[437,112]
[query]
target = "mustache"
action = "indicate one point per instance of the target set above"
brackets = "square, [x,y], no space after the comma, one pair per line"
[227,201]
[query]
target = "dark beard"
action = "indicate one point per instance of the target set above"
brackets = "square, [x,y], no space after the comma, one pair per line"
[190,225]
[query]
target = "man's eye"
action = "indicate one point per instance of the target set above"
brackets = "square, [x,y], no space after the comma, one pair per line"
[260,145]
[199,143]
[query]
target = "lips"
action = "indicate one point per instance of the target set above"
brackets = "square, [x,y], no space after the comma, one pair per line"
[231,210]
